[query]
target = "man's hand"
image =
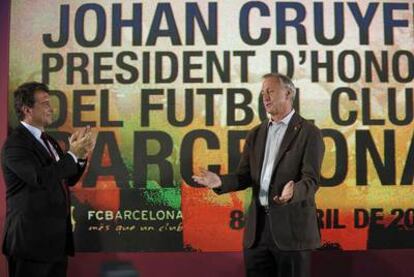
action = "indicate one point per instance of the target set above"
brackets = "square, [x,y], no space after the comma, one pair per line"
[91,139]
[208,179]
[82,142]
[287,193]
[79,134]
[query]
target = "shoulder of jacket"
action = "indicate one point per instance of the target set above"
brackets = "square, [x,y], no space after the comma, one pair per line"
[256,128]
[16,139]
[310,125]
[253,131]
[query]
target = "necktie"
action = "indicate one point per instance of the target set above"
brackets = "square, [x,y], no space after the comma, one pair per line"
[45,138]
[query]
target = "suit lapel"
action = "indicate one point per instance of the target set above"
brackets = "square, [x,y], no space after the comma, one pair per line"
[260,145]
[36,144]
[294,126]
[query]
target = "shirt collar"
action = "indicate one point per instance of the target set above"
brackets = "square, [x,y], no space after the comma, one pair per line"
[284,120]
[36,132]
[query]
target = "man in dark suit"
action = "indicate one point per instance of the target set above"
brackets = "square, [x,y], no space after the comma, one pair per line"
[281,161]
[38,231]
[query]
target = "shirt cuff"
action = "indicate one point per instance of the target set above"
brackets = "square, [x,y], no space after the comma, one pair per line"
[73,156]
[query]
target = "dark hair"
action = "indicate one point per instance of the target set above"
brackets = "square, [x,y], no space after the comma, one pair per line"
[24,95]
[285,80]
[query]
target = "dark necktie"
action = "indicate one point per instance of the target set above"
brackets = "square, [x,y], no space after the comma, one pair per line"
[45,138]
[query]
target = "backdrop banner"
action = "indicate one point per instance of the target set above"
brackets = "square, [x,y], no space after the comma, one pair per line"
[172,86]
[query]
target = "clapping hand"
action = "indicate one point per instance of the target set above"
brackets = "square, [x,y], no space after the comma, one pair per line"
[82,142]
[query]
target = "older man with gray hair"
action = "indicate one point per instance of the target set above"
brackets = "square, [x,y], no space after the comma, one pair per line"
[281,162]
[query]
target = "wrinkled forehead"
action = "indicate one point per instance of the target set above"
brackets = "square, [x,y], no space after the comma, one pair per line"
[271,82]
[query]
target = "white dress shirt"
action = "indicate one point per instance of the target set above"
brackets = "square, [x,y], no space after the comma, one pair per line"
[275,133]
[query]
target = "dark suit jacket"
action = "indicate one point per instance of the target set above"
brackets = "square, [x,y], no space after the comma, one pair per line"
[38,225]
[293,225]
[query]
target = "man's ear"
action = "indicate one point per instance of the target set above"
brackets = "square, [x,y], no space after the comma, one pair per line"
[26,110]
[287,94]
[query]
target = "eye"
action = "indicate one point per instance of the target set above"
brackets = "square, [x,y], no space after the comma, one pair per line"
[46,104]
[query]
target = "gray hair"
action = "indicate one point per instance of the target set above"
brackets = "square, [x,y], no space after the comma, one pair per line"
[285,81]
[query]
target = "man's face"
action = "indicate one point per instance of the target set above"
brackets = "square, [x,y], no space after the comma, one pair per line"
[276,98]
[41,113]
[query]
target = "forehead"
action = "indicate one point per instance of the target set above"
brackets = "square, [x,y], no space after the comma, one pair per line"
[41,96]
[271,82]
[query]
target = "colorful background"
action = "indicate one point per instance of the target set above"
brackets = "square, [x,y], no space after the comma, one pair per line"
[205,216]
